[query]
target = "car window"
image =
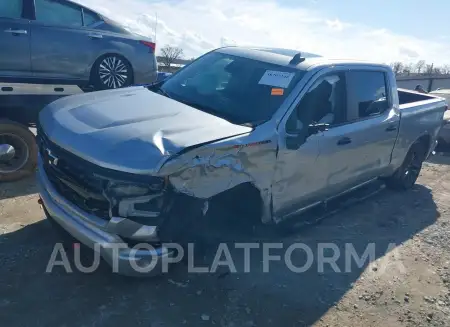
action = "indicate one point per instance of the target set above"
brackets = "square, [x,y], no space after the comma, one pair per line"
[111,26]
[90,18]
[241,90]
[11,9]
[57,12]
[367,93]
[324,103]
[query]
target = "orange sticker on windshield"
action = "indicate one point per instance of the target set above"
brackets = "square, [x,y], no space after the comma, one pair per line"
[277,91]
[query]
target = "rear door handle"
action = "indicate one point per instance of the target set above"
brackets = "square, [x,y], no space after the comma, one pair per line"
[344,141]
[95,36]
[16,31]
[391,128]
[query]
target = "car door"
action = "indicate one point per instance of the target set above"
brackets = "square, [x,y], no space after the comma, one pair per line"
[61,47]
[14,40]
[360,148]
[302,170]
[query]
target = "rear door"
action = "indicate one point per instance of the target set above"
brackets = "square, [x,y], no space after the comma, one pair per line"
[14,40]
[360,149]
[61,47]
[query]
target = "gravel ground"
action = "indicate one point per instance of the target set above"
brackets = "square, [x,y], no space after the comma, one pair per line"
[405,285]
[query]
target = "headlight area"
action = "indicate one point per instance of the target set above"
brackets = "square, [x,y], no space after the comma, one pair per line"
[139,202]
[178,217]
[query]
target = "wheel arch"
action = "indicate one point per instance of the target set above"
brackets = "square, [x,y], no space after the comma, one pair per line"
[425,140]
[245,197]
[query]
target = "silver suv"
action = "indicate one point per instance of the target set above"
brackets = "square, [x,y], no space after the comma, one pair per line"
[61,42]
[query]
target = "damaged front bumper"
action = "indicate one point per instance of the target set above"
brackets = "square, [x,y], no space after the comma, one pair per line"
[102,235]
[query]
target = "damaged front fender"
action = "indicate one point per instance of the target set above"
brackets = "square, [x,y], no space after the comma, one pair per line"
[215,168]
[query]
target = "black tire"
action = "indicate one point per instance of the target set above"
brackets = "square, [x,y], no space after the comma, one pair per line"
[24,161]
[406,176]
[110,66]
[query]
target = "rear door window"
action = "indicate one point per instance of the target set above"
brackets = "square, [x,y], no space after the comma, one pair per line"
[367,94]
[11,9]
[58,13]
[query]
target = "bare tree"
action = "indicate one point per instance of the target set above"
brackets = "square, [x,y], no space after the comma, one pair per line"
[407,69]
[397,67]
[419,66]
[445,69]
[429,69]
[170,54]
[437,71]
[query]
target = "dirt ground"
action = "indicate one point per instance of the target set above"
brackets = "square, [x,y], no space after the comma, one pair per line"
[406,285]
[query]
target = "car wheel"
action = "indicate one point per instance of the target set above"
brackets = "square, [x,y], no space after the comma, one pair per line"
[112,72]
[18,151]
[406,176]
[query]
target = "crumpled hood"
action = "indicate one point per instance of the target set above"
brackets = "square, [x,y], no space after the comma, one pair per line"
[130,129]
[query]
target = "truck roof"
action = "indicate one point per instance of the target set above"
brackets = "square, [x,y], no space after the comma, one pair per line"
[281,56]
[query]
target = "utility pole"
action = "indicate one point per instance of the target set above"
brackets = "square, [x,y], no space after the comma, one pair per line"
[156,25]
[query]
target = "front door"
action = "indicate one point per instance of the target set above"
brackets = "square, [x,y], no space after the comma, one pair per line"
[14,40]
[303,168]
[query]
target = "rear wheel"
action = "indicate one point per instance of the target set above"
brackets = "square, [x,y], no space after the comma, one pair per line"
[112,72]
[406,176]
[18,151]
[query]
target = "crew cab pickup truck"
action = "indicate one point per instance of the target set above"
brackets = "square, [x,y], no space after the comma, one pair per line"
[142,164]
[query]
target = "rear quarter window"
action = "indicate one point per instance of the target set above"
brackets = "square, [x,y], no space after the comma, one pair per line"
[112,26]
[90,18]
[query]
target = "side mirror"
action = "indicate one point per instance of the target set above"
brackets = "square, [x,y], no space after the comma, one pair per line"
[318,127]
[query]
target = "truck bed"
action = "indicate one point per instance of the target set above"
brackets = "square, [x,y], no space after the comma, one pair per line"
[421,114]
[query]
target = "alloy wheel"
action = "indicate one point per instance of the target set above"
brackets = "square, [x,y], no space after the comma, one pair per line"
[113,72]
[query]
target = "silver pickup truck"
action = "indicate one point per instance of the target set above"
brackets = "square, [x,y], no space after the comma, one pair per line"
[272,129]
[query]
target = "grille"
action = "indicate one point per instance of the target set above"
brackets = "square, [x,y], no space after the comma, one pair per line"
[73,179]
[82,182]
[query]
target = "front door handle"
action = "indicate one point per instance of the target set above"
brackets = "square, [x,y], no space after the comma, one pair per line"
[16,31]
[95,35]
[391,128]
[344,141]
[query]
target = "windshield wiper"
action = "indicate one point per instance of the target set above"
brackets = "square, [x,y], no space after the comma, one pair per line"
[157,88]
[161,91]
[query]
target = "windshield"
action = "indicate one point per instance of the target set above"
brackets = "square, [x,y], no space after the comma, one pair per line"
[240,90]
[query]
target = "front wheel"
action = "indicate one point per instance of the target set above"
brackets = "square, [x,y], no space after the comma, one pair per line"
[406,176]
[112,72]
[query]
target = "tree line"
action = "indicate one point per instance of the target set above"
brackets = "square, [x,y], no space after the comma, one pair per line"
[419,68]
[170,54]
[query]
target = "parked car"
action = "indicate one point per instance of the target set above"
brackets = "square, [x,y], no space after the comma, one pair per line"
[279,133]
[59,41]
[444,135]
[162,76]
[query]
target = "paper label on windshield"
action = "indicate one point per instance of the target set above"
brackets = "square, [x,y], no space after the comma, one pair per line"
[276,78]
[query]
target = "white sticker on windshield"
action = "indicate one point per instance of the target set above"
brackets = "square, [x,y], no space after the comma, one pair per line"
[276,78]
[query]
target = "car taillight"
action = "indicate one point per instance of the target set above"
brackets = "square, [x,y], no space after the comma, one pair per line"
[149,44]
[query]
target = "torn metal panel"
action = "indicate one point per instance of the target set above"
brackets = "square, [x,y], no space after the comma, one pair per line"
[213,169]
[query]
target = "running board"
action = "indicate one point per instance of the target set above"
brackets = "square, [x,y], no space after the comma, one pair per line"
[315,213]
